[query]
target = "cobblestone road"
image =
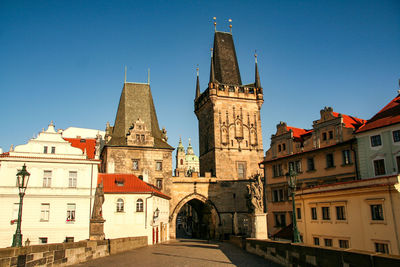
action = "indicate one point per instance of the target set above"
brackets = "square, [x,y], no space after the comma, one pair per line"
[183,252]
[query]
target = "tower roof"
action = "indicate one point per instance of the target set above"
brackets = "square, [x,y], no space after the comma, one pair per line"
[224,60]
[136,102]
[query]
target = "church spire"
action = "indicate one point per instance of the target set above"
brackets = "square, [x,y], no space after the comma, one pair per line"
[212,75]
[257,83]
[197,84]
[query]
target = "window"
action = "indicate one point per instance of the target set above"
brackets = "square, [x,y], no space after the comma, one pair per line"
[120,182]
[295,165]
[277,170]
[328,242]
[376,140]
[47,178]
[181,161]
[310,164]
[120,205]
[279,148]
[139,205]
[241,169]
[45,149]
[316,241]
[377,212]
[324,136]
[298,213]
[325,213]
[329,161]
[283,147]
[135,164]
[158,165]
[44,212]
[314,213]
[159,183]
[53,150]
[340,214]
[398,164]
[382,248]
[42,240]
[277,195]
[379,166]
[343,243]
[346,157]
[71,207]
[396,136]
[69,239]
[280,219]
[330,134]
[72,179]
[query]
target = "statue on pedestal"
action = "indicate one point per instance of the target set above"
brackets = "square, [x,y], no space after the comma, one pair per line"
[255,195]
[97,220]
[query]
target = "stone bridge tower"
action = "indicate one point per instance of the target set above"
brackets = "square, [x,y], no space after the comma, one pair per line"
[229,116]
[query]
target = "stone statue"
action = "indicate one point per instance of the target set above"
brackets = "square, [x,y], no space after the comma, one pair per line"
[255,195]
[164,134]
[97,213]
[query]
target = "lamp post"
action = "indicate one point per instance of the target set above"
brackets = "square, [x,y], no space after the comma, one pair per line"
[22,181]
[291,178]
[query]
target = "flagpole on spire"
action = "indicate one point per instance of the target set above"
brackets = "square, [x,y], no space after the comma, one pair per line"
[148,76]
[230,25]
[125,75]
[215,23]
[197,83]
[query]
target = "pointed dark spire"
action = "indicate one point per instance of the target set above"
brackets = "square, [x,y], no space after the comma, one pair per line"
[257,83]
[197,84]
[212,75]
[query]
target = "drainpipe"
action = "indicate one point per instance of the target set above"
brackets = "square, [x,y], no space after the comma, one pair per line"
[145,215]
[355,161]
[394,220]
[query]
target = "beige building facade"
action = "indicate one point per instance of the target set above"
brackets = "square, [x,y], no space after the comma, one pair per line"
[360,214]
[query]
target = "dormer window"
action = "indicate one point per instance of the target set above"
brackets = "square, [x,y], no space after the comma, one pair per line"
[53,150]
[119,182]
[83,140]
[45,148]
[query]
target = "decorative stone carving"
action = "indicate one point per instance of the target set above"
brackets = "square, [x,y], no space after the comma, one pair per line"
[97,221]
[164,134]
[139,135]
[255,195]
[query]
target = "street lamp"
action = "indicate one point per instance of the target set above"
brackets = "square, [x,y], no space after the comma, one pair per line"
[291,177]
[22,181]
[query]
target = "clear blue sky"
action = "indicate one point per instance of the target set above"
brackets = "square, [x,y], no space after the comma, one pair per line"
[64,60]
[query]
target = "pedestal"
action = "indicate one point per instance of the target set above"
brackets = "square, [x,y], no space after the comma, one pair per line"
[96,231]
[259,227]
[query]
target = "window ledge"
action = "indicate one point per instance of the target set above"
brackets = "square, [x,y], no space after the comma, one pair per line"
[119,212]
[341,221]
[333,167]
[377,222]
[349,164]
[70,222]
[44,220]
[314,170]
[326,221]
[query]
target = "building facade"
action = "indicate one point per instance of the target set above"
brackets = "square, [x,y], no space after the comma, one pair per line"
[186,162]
[379,142]
[324,154]
[361,214]
[135,144]
[134,208]
[229,116]
[58,199]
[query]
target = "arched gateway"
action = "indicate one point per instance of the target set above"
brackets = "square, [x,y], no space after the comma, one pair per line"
[195,216]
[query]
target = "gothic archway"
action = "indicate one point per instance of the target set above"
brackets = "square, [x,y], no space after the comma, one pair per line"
[195,216]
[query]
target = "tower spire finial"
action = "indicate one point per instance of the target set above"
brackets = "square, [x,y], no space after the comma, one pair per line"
[125,75]
[230,25]
[212,75]
[148,76]
[215,23]
[257,82]
[197,83]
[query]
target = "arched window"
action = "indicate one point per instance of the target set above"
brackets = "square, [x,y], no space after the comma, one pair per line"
[120,205]
[139,205]
[279,148]
[181,161]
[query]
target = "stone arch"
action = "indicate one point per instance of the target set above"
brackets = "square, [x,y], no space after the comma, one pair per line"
[187,199]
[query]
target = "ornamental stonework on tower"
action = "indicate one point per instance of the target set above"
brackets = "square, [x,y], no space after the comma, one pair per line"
[229,116]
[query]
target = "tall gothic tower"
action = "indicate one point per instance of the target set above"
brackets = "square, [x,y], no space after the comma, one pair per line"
[229,116]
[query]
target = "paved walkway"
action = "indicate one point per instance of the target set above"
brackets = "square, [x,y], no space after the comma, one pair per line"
[183,252]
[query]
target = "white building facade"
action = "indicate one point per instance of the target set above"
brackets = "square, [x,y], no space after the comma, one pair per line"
[60,192]
[133,207]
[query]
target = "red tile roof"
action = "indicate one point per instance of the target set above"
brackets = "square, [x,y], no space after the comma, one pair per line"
[389,115]
[88,144]
[298,132]
[350,121]
[130,184]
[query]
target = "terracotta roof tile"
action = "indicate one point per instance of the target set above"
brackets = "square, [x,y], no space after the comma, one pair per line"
[350,121]
[389,115]
[88,144]
[129,183]
[298,132]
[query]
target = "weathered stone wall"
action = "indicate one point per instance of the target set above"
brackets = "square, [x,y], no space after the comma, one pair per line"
[289,254]
[63,254]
